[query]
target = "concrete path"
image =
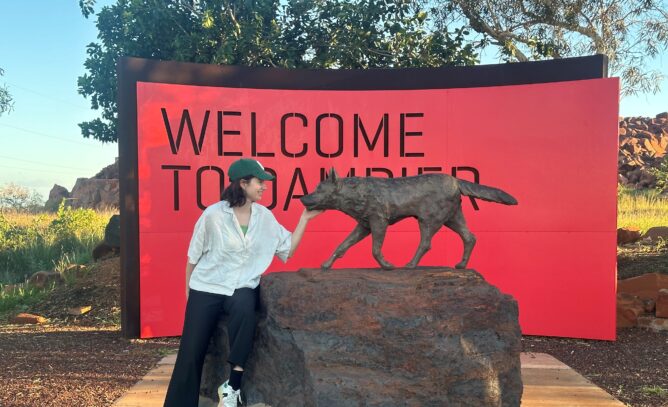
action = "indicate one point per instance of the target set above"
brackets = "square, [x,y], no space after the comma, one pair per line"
[547,383]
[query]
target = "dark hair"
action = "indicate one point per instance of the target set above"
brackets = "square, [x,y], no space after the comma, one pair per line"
[233,194]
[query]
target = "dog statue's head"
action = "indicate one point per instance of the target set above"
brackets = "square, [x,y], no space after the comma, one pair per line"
[326,194]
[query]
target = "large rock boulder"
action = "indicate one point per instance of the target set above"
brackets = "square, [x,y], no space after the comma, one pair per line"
[646,286]
[112,232]
[424,337]
[56,196]
[628,235]
[111,245]
[656,234]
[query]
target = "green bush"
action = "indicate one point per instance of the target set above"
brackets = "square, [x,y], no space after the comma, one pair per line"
[661,174]
[30,243]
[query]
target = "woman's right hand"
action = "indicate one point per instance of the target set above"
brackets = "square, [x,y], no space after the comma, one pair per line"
[308,215]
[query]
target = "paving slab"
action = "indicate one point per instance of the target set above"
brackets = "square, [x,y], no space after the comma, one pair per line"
[547,383]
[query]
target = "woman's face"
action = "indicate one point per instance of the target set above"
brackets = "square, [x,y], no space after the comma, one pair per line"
[253,189]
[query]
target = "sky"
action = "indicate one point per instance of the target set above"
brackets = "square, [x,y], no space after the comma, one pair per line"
[42,51]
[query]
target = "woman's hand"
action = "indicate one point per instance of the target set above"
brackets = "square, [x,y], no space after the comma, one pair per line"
[301,227]
[308,215]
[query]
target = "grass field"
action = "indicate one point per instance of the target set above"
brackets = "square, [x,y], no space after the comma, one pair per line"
[642,209]
[34,242]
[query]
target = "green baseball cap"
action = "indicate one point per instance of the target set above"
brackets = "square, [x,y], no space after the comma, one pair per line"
[244,167]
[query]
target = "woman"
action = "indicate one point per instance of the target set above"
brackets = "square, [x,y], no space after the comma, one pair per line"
[233,243]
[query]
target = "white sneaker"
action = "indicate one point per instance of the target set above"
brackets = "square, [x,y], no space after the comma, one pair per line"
[228,397]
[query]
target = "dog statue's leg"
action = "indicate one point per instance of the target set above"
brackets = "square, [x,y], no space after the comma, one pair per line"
[359,233]
[378,229]
[458,224]
[427,232]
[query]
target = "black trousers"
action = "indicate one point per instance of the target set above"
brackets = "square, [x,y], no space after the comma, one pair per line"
[203,311]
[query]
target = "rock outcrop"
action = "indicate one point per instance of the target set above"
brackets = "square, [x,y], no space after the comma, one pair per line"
[643,142]
[95,194]
[424,337]
[56,196]
[99,192]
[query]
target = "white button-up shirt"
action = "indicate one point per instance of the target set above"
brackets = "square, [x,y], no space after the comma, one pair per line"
[225,259]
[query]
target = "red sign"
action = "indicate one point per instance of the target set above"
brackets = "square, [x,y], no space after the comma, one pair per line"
[552,146]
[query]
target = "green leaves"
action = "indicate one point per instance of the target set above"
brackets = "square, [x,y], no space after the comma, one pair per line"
[377,34]
[6,99]
[207,19]
[630,32]
[87,7]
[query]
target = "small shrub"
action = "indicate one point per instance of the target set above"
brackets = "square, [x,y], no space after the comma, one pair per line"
[654,390]
[661,174]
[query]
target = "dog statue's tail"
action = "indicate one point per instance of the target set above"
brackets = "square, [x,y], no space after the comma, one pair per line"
[485,193]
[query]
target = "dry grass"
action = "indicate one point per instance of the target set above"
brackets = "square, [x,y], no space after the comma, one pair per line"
[26,219]
[641,209]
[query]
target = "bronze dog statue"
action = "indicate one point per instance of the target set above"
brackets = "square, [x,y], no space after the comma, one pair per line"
[375,203]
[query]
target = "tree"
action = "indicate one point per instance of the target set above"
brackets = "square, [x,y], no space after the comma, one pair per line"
[371,34]
[292,34]
[6,100]
[629,32]
[18,198]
